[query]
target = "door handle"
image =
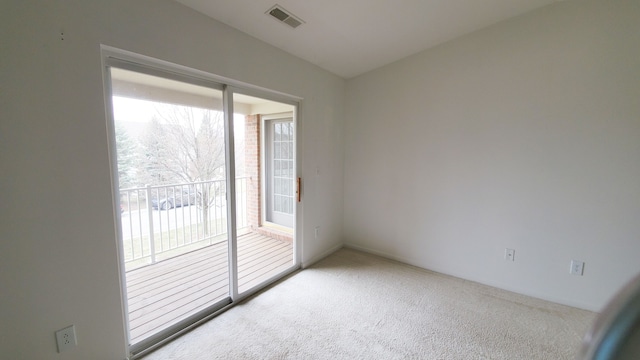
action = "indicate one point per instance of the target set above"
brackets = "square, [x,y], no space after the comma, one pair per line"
[298,188]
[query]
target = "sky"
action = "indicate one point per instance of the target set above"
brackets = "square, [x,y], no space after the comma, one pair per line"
[130,110]
[133,114]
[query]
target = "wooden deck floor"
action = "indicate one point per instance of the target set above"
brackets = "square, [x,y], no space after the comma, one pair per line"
[162,294]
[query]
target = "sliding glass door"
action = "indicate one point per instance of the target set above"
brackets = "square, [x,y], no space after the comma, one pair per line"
[171,166]
[189,188]
[265,249]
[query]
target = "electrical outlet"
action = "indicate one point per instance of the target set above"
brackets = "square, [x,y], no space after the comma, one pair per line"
[66,338]
[577,267]
[509,254]
[317,231]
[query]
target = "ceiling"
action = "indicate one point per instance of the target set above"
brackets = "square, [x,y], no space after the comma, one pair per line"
[351,37]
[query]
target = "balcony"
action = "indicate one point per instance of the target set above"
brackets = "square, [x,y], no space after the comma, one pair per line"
[176,251]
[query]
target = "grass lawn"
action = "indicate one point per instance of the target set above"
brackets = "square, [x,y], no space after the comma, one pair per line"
[170,243]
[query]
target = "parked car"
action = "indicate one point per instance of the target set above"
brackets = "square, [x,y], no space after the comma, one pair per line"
[171,202]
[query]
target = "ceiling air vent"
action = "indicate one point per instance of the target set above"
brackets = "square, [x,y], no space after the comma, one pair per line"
[285,16]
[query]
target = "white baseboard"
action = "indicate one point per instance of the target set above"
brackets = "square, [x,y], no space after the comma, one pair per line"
[382,254]
[315,259]
[518,290]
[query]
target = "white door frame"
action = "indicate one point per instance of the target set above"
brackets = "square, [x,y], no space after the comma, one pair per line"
[113,57]
[264,166]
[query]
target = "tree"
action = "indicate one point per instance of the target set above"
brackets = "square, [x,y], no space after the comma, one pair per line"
[186,145]
[126,150]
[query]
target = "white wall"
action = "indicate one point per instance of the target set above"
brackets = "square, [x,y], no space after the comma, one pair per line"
[523,135]
[58,262]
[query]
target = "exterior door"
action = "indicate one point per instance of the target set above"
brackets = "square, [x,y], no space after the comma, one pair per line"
[190,239]
[173,211]
[279,161]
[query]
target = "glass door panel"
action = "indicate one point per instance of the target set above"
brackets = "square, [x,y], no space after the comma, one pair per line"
[264,187]
[170,146]
[187,250]
[279,172]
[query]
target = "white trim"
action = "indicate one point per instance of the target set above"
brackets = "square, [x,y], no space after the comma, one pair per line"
[113,57]
[263,174]
[113,169]
[296,102]
[519,290]
[298,239]
[263,93]
[110,53]
[277,116]
[268,186]
[230,167]
[317,258]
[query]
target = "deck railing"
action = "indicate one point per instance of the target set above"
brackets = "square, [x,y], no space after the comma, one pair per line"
[160,222]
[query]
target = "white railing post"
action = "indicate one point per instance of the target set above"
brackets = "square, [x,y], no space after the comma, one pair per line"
[152,243]
[212,195]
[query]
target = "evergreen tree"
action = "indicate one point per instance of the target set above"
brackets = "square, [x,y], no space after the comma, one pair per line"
[126,157]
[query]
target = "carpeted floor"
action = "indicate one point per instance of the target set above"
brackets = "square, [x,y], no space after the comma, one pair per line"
[353,305]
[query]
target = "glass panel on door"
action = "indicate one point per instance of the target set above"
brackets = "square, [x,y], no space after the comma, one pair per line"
[170,145]
[279,169]
[265,187]
[173,182]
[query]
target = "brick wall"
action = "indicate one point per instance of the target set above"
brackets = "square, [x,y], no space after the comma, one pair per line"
[252,169]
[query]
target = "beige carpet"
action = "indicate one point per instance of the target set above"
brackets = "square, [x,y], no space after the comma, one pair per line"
[353,305]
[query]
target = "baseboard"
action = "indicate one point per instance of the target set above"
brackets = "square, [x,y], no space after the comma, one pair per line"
[521,291]
[382,254]
[315,259]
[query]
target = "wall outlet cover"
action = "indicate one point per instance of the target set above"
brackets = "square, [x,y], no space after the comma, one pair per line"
[509,254]
[66,338]
[577,267]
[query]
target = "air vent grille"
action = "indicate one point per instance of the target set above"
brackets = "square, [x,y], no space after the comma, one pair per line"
[284,16]
[292,22]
